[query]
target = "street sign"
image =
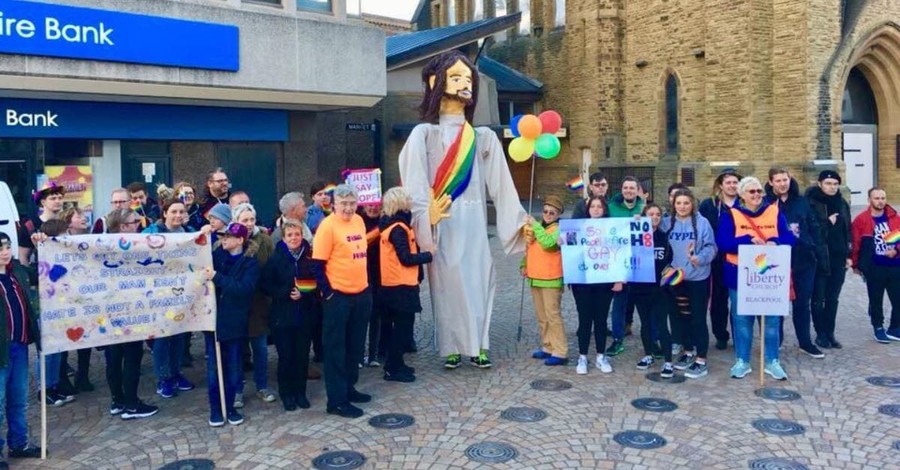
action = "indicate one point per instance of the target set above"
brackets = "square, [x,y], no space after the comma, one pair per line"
[361,126]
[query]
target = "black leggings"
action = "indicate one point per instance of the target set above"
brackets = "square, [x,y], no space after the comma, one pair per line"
[592,302]
[653,308]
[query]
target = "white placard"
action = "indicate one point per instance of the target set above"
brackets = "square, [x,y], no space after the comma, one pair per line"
[764,280]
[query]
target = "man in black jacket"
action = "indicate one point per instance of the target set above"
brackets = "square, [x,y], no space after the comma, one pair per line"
[783,190]
[598,186]
[833,215]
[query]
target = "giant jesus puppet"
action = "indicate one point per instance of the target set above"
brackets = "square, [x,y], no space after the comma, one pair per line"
[450,168]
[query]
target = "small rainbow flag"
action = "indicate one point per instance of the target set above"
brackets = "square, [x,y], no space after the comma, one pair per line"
[575,183]
[453,175]
[330,188]
[671,277]
[892,238]
[305,285]
[762,264]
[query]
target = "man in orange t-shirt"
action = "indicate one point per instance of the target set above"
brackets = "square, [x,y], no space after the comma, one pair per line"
[339,247]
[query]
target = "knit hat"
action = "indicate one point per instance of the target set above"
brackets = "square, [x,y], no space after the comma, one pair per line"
[221,212]
[235,230]
[826,174]
[555,202]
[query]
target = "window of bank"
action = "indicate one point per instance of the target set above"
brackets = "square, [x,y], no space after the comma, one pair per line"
[315,5]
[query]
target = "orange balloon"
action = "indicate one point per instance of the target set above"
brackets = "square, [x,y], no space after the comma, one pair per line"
[530,126]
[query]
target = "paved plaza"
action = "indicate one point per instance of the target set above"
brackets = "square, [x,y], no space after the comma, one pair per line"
[840,424]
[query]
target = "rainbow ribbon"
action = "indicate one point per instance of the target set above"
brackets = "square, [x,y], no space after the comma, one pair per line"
[453,176]
[305,285]
[575,183]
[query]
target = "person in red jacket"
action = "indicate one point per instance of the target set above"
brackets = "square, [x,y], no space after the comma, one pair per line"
[876,256]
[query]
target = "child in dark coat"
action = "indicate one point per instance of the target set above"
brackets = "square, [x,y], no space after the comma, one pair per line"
[289,280]
[235,273]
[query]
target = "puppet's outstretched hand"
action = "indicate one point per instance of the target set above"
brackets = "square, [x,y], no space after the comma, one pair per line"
[439,209]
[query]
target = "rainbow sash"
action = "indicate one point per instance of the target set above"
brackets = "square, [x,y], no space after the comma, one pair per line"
[305,285]
[453,176]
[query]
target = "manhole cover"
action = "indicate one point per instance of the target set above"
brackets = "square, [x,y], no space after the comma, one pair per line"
[640,439]
[779,427]
[491,452]
[893,382]
[675,379]
[890,410]
[524,414]
[777,394]
[776,463]
[392,421]
[190,464]
[660,405]
[343,459]
[551,385]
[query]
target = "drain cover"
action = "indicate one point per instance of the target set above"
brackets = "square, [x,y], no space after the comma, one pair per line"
[893,382]
[551,385]
[491,452]
[190,464]
[676,379]
[524,414]
[392,421]
[341,459]
[660,405]
[890,410]
[779,427]
[777,394]
[776,463]
[640,439]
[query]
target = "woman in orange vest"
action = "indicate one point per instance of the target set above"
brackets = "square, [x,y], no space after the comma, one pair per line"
[401,272]
[542,266]
[751,221]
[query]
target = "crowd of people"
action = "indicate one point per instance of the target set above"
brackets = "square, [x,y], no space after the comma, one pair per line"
[699,242]
[333,276]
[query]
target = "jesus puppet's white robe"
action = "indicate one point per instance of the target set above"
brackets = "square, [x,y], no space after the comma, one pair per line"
[461,277]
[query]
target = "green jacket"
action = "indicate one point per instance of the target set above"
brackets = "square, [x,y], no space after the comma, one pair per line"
[617,207]
[20,273]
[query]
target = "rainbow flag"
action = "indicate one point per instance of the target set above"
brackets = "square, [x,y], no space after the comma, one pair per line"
[453,176]
[330,188]
[305,285]
[575,183]
[892,238]
[671,277]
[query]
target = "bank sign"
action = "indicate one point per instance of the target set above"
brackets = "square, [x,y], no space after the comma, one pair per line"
[43,29]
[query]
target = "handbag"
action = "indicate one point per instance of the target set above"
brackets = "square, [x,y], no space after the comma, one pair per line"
[793,295]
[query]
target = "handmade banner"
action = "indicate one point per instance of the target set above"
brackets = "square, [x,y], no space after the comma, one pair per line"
[367,183]
[764,280]
[597,251]
[115,288]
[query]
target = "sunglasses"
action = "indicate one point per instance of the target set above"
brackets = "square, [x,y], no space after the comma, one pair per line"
[551,213]
[754,191]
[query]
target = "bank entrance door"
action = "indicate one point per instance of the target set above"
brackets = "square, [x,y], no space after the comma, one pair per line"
[860,152]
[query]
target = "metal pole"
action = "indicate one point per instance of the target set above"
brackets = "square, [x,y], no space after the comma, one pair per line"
[522,294]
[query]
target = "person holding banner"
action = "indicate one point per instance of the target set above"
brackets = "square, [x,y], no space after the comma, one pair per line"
[49,200]
[288,279]
[625,204]
[693,251]
[17,331]
[592,302]
[123,360]
[654,312]
[235,273]
[751,221]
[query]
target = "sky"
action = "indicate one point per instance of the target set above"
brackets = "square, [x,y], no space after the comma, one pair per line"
[402,9]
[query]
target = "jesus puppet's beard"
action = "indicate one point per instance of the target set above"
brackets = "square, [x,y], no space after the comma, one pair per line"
[463,96]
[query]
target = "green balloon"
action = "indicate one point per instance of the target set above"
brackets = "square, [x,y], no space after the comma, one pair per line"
[547,146]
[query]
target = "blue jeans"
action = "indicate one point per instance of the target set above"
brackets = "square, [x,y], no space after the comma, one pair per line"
[260,347]
[167,354]
[231,375]
[54,363]
[619,304]
[14,396]
[742,330]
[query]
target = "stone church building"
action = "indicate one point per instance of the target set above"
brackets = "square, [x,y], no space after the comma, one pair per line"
[677,90]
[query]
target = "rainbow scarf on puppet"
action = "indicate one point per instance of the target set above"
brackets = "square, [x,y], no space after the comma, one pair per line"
[455,172]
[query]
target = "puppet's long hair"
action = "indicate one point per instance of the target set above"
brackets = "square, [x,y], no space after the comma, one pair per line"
[437,67]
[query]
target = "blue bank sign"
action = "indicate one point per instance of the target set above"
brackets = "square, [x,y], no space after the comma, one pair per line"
[48,119]
[43,29]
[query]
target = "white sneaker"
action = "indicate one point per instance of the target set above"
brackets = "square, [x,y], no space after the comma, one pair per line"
[602,363]
[582,367]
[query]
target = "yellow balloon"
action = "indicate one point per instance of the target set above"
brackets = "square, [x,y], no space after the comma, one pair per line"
[521,149]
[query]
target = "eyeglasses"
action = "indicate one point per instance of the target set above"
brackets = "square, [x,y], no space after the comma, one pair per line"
[754,191]
[346,203]
[187,193]
[551,213]
[600,185]
[126,201]
[133,222]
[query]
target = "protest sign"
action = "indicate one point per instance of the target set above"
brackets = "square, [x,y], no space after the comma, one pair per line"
[607,250]
[367,183]
[764,280]
[114,288]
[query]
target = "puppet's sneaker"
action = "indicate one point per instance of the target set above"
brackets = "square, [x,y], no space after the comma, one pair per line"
[482,361]
[453,361]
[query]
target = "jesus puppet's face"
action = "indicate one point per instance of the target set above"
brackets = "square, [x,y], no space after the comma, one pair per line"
[457,90]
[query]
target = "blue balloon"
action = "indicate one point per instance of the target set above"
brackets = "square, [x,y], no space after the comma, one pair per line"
[514,125]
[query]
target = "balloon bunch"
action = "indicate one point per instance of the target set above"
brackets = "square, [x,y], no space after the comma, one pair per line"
[535,135]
